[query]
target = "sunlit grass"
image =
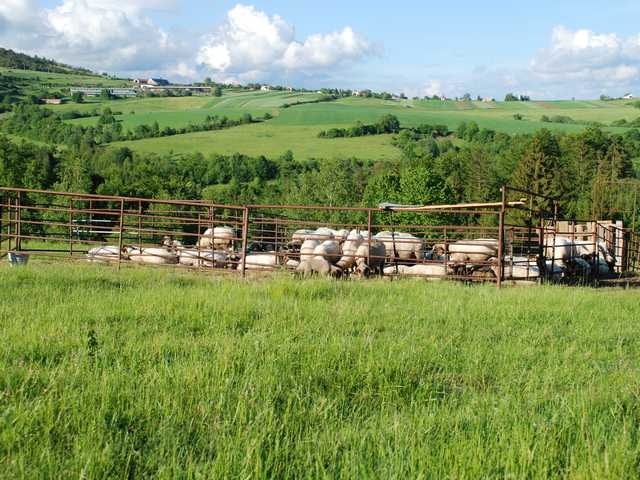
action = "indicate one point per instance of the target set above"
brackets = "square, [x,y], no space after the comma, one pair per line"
[162,374]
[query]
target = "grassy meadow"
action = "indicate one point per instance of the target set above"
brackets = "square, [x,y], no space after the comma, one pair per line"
[296,128]
[148,373]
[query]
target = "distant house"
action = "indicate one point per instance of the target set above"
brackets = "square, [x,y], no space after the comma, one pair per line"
[265,88]
[141,81]
[356,93]
[158,82]
[628,96]
[488,100]
[52,101]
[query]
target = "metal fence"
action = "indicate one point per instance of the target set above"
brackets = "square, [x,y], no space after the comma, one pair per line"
[508,240]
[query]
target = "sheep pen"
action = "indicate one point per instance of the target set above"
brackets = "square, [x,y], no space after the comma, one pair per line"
[498,242]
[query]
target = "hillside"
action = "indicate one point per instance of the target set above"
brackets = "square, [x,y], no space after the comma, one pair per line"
[21,61]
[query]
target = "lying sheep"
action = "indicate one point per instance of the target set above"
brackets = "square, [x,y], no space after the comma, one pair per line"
[435,271]
[205,258]
[152,256]
[105,254]
[261,261]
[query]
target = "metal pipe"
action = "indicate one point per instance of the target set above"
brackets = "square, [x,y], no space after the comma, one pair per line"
[503,207]
[18,222]
[120,245]
[245,235]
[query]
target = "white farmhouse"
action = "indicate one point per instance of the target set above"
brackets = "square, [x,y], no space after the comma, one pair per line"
[628,96]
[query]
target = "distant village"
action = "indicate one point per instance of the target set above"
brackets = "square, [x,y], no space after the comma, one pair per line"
[163,87]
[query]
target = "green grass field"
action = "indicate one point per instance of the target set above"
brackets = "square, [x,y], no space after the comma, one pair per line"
[33,81]
[296,128]
[148,373]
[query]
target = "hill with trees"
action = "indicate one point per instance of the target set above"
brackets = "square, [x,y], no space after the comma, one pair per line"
[22,61]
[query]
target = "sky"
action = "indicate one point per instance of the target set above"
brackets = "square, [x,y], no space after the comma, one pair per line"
[548,49]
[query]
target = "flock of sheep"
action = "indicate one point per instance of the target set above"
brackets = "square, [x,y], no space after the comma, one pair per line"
[325,251]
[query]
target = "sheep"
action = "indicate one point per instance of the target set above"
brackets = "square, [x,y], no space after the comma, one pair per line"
[299,236]
[566,250]
[369,260]
[152,256]
[473,251]
[401,246]
[218,238]
[205,258]
[307,249]
[261,261]
[433,271]
[349,250]
[322,260]
[105,254]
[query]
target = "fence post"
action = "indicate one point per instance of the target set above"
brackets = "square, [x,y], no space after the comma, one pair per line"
[71,227]
[370,233]
[120,233]
[503,208]
[140,223]
[2,210]
[245,239]
[19,222]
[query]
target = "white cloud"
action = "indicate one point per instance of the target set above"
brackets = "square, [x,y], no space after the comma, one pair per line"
[250,43]
[100,34]
[434,87]
[603,59]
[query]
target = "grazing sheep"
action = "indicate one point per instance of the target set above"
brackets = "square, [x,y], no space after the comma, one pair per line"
[376,255]
[401,246]
[349,250]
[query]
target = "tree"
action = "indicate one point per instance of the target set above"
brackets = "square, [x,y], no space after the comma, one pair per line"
[390,124]
[77,97]
[217,91]
[105,94]
[540,170]
[510,97]
[466,97]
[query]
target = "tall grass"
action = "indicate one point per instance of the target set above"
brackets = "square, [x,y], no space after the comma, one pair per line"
[169,375]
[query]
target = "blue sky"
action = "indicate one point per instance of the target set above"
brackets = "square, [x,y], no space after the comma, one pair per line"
[548,49]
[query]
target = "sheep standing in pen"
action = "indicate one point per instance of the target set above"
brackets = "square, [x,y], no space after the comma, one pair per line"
[402,247]
[218,238]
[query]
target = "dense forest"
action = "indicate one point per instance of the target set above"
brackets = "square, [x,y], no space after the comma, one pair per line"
[433,166]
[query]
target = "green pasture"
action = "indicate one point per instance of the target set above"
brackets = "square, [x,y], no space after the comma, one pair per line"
[35,81]
[271,140]
[296,128]
[158,374]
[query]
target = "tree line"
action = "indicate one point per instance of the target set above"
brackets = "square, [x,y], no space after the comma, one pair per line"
[582,168]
